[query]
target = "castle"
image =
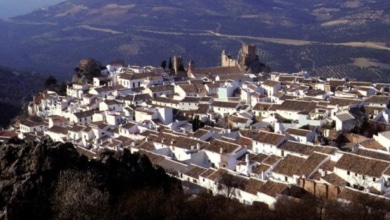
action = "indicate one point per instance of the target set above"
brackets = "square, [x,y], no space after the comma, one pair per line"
[247,57]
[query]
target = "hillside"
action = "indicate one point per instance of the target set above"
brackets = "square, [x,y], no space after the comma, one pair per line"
[329,38]
[46,180]
[16,87]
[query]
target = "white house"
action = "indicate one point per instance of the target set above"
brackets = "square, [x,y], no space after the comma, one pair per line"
[110,105]
[189,103]
[57,133]
[183,90]
[81,118]
[383,138]
[224,154]
[360,171]
[225,108]
[27,126]
[344,121]
[144,113]
[269,192]
[76,90]
[157,91]
[267,142]
[302,135]
[57,120]
[287,169]
[239,122]
[290,109]
[75,133]
[271,87]
[295,148]
[136,99]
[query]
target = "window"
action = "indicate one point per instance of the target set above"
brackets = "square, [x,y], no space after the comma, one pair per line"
[286,178]
[348,172]
[374,179]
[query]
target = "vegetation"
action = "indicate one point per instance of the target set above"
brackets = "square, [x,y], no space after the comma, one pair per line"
[16,89]
[8,112]
[51,84]
[77,196]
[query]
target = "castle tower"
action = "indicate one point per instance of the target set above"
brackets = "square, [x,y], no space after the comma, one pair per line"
[177,63]
[248,53]
[226,59]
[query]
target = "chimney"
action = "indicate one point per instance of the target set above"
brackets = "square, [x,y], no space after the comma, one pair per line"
[221,150]
[198,146]
[247,158]
[172,141]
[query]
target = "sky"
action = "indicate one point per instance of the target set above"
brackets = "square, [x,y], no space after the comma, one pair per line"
[11,8]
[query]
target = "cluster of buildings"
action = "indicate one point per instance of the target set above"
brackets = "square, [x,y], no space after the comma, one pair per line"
[279,134]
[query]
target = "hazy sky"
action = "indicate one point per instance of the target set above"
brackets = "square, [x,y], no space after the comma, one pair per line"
[10,8]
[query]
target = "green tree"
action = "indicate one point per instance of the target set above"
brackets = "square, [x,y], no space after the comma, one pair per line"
[61,90]
[50,82]
[229,184]
[163,64]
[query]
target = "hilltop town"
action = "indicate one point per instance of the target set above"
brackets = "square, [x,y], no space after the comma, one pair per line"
[275,134]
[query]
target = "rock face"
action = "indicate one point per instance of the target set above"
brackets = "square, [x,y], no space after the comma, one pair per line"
[86,70]
[30,172]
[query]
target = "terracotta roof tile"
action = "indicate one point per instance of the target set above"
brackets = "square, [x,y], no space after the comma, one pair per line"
[253,186]
[272,188]
[297,147]
[195,172]
[334,179]
[269,138]
[311,164]
[362,165]
[289,165]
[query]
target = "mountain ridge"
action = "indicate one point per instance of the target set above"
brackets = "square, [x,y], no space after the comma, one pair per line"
[146,32]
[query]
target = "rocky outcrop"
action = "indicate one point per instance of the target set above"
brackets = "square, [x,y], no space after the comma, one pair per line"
[30,172]
[86,70]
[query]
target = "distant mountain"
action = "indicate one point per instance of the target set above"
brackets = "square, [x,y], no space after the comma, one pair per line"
[328,38]
[19,7]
